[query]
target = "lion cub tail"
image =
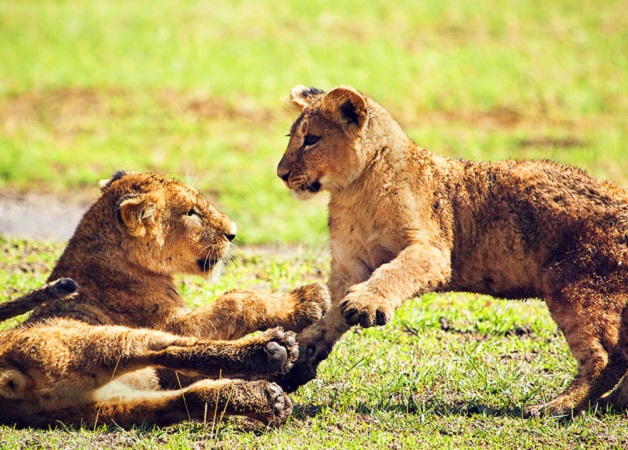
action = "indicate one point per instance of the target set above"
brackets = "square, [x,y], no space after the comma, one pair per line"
[60,289]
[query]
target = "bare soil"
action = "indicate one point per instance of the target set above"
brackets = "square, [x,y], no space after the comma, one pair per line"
[39,215]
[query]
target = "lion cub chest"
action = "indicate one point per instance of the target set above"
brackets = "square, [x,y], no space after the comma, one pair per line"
[359,245]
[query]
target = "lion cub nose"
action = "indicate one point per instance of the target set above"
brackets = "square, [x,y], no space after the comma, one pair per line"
[284,175]
[230,231]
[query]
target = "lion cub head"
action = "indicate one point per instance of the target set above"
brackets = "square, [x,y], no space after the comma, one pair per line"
[161,224]
[325,149]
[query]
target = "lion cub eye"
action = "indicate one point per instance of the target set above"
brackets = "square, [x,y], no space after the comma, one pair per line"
[310,139]
[193,212]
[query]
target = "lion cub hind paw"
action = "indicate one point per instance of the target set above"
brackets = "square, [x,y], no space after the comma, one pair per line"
[280,351]
[276,352]
[315,293]
[280,403]
[275,406]
[62,287]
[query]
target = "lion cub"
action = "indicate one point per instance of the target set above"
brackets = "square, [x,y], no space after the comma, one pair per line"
[404,221]
[125,349]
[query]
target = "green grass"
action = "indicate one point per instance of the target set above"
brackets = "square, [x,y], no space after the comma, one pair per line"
[194,89]
[411,384]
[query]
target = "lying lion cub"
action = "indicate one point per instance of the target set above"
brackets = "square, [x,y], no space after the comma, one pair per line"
[109,353]
[404,221]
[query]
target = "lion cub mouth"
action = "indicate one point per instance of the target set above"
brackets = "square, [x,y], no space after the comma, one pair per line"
[207,264]
[314,187]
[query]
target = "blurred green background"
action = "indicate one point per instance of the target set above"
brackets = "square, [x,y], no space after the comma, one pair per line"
[197,89]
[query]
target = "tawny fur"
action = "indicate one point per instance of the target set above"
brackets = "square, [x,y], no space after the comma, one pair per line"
[126,349]
[404,221]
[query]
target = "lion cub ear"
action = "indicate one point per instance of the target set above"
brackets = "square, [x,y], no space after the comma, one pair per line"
[104,184]
[345,105]
[302,96]
[140,215]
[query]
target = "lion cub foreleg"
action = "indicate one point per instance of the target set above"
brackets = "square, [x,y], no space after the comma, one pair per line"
[240,312]
[417,269]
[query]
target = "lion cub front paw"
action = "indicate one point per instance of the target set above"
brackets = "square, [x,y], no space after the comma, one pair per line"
[311,302]
[278,352]
[366,309]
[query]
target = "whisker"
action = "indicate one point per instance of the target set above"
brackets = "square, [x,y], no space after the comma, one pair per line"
[204,248]
[199,183]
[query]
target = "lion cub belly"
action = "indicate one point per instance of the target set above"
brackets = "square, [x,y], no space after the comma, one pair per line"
[503,274]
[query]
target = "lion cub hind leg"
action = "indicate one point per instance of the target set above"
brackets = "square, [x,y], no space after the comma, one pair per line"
[68,356]
[592,334]
[272,352]
[618,398]
[61,362]
[203,401]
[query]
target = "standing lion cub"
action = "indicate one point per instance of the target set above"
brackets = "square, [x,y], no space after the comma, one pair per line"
[125,349]
[404,221]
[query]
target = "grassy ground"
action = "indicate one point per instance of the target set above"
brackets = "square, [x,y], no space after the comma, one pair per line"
[451,371]
[194,89]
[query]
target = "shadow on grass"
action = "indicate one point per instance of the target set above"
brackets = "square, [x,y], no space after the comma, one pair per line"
[439,408]
[430,407]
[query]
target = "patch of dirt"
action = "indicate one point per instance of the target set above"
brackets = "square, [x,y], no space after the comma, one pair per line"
[64,110]
[500,117]
[67,101]
[520,332]
[39,216]
[33,267]
[68,109]
[552,142]
[200,106]
[516,355]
